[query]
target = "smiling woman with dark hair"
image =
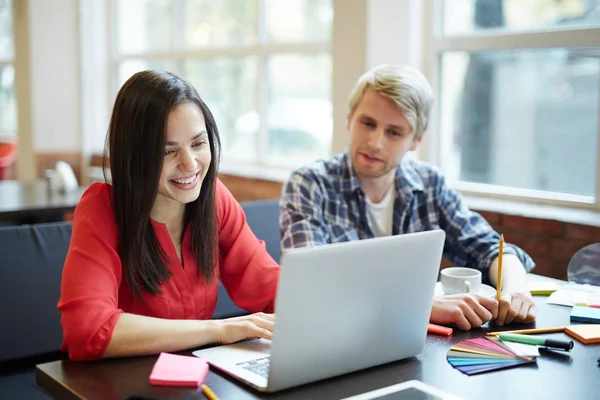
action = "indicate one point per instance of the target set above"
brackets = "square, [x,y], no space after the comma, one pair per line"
[147,251]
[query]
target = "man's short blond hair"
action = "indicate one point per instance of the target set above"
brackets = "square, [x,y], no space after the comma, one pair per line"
[404,85]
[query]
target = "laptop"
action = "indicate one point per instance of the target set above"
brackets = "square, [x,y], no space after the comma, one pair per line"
[341,308]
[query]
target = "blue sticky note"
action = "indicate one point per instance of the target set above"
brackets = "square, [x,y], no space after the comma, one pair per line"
[585,314]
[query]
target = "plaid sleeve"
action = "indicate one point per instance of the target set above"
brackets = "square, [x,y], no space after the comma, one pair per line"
[301,221]
[470,240]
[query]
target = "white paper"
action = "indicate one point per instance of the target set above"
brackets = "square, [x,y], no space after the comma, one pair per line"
[523,349]
[574,293]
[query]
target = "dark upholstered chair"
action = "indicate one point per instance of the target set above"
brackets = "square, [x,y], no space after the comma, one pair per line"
[31,262]
[263,218]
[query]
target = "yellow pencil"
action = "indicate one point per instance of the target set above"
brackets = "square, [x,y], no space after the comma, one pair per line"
[499,283]
[529,331]
[209,393]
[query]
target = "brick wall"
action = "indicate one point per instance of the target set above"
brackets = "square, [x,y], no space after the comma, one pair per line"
[550,243]
[247,189]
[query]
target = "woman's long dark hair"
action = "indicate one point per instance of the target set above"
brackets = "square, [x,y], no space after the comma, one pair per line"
[135,146]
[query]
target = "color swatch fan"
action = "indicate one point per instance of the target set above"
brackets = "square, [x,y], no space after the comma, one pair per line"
[474,356]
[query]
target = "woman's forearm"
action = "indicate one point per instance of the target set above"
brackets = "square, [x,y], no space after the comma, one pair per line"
[136,335]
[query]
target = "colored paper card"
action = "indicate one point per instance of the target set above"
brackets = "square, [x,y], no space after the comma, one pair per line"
[474,356]
[520,349]
[587,334]
[542,288]
[585,314]
[524,350]
[474,347]
[496,340]
[481,361]
[477,351]
[176,370]
[472,370]
[463,354]
[491,344]
[481,352]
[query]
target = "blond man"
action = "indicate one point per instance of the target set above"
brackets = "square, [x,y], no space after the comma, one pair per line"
[373,190]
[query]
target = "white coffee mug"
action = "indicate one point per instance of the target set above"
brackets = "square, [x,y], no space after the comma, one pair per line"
[460,280]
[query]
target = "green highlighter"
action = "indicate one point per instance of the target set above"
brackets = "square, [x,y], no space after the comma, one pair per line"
[540,341]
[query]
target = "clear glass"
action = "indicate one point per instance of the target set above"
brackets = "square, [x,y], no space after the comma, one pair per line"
[143,25]
[126,68]
[521,118]
[228,87]
[300,116]
[468,16]
[298,20]
[6,30]
[210,23]
[8,103]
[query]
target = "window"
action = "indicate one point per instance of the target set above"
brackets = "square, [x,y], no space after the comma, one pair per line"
[518,85]
[262,66]
[8,107]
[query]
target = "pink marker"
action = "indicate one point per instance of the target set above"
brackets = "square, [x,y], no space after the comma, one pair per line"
[440,330]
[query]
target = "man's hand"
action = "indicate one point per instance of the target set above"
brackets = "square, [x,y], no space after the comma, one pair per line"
[515,307]
[516,304]
[466,311]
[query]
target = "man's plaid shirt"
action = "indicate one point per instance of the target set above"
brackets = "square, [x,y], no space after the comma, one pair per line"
[324,203]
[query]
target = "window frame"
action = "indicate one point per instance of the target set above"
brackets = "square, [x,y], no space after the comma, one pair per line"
[10,61]
[262,49]
[436,43]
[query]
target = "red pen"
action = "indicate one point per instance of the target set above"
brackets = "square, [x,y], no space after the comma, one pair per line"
[439,330]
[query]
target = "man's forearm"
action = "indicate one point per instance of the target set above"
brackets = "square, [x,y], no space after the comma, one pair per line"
[514,276]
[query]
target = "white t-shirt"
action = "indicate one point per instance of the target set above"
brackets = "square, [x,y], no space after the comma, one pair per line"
[381,214]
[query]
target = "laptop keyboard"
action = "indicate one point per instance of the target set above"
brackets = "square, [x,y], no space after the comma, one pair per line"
[260,366]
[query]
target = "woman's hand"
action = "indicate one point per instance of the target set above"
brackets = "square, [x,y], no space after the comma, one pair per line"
[259,325]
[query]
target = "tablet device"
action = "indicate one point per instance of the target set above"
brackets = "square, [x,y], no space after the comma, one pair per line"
[409,390]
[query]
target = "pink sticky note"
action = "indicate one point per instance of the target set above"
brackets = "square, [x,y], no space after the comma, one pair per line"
[176,370]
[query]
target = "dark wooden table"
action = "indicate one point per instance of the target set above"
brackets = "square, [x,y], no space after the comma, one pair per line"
[30,202]
[557,375]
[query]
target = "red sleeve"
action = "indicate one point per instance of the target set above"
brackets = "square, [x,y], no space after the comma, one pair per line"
[247,271]
[91,278]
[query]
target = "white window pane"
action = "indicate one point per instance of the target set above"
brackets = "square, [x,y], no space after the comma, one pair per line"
[299,120]
[228,87]
[143,25]
[465,16]
[298,20]
[8,105]
[6,30]
[525,118]
[219,23]
[127,68]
